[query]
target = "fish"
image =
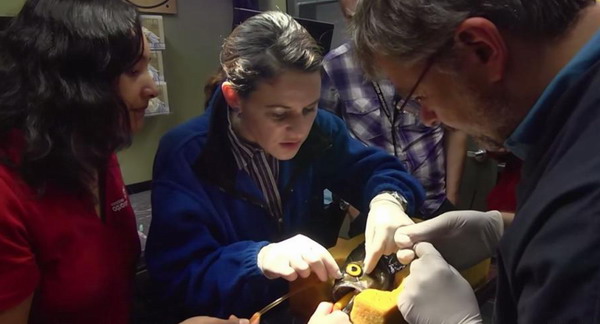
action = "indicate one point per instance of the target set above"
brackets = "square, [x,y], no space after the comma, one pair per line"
[354,279]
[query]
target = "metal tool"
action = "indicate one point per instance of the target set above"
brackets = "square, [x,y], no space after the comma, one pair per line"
[256,317]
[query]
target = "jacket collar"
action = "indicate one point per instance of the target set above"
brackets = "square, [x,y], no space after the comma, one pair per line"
[216,163]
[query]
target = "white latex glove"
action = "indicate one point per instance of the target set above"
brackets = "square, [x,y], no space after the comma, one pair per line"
[435,293]
[326,315]
[386,215]
[463,237]
[295,256]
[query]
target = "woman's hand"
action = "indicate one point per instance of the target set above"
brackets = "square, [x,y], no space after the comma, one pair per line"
[297,256]
[326,315]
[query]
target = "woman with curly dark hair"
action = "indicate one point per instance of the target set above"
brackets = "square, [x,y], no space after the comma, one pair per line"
[74,85]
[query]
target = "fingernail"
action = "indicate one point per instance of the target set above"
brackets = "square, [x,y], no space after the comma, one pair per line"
[338,275]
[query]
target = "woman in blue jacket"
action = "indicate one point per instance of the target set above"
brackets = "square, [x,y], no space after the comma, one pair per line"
[238,192]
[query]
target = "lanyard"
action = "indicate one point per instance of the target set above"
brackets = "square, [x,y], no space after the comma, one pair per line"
[391,114]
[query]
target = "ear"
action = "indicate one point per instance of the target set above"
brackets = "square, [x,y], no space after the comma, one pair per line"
[483,46]
[231,96]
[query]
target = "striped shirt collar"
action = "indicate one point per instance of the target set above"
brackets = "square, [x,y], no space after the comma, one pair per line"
[262,167]
[243,151]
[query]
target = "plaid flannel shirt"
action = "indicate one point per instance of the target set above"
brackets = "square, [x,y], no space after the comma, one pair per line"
[347,92]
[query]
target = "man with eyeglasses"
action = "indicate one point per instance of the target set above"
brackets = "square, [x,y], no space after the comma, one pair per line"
[520,74]
[372,111]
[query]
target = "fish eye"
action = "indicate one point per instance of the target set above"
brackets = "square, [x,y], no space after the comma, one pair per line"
[354,270]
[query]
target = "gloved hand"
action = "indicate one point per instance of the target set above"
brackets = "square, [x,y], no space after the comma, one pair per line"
[386,215]
[435,293]
[463,237]
[295,256]
[326,315]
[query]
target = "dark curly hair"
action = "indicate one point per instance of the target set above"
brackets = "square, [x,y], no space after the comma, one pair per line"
[60,61]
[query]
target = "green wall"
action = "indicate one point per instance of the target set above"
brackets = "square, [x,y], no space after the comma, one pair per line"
[278,5]
[10,7]
[193,38]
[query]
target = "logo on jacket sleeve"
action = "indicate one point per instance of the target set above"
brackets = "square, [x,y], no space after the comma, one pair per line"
[120,203]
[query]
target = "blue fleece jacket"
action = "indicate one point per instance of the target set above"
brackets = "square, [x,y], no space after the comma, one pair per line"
[209,219]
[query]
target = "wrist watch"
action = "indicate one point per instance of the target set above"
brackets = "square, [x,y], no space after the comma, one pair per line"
[403,202]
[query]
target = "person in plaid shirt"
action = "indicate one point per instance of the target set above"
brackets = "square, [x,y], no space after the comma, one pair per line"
[434,155]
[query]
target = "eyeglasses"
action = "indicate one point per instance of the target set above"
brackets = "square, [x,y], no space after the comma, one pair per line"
[415,104]
[415,108]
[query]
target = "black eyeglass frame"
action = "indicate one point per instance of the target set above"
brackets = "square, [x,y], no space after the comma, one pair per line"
[408,97]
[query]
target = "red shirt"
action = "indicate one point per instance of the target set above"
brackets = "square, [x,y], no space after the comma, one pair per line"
[79,268]
[503,196]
